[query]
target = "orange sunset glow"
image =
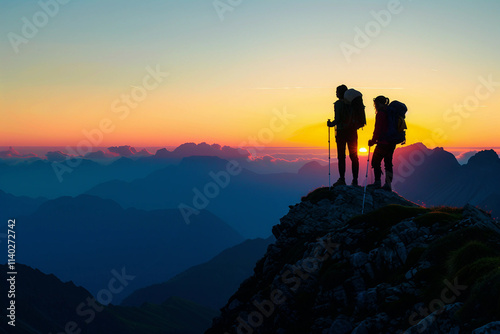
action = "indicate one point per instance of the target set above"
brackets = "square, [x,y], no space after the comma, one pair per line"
[215,83]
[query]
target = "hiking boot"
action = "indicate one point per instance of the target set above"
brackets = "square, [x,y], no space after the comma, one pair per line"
[387,186]
[340,182]
[354,183]
[376,185]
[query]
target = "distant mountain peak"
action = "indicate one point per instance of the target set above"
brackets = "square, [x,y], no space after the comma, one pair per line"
[310,167]
[11,152]
[209,162]
[484,158]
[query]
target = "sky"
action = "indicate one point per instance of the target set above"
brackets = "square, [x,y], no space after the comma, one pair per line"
[243,73]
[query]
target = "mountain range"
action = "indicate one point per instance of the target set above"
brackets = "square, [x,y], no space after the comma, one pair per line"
[329,269]
[84,238]
[434,177]
[129,218]
[44,304]
[238,199]
[422,175]
[210,283]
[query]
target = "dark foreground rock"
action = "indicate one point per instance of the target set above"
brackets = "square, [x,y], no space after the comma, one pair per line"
[399,268]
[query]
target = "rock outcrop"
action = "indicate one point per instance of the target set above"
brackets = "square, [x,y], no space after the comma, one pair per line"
[398,268]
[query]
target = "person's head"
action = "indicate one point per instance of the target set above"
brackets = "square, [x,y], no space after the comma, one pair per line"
[341,91]
[380,103]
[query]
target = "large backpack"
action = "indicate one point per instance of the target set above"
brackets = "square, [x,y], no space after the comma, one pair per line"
[355,99]
[396,112]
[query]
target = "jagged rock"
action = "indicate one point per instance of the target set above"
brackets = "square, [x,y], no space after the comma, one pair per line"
[422,265]
[234,304]
[372,324]
[491,328]
[440,321]
[340,296]
[332,270]
[480,219]
[475,214]
[341,325]
[359,259]
[367,300]
[356,283]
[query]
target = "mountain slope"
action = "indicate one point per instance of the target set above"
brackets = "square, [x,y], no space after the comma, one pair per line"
[44,304]
[42,178]
[434,177]
[399,267]
[200,181]
[210,283]
[83,238]
[12,206]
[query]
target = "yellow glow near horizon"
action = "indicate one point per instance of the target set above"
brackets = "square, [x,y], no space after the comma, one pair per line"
[226,80]
[363,150]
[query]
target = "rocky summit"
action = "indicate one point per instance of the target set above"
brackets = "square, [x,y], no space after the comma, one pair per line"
[397,268]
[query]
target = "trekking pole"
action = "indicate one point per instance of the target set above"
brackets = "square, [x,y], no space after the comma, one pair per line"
[366,179]
[329,183]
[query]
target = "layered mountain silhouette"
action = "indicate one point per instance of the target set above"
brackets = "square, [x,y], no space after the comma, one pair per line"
[203,149]
[42,178]
[83,238]
[241,201]
[44,304]
[209,284]
[12,206]
[434,177]
[63,174]
[398,268]
[330,269]
[422,175]
[12,154]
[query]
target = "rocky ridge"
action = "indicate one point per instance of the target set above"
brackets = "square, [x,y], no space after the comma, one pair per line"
[399,268]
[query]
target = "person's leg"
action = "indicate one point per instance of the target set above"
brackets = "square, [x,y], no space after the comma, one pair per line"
[352,144]
[341,144]
[388,155]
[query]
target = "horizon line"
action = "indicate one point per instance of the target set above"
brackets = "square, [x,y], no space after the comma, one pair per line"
[142,146]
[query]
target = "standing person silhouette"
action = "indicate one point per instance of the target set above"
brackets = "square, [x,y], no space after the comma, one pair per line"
[385,148]
[346,134]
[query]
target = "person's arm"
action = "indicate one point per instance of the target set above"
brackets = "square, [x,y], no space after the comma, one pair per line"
[336,113]
[380,127]
[376,131]
[336,108]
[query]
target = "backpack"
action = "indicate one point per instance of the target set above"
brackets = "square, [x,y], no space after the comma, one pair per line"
[396,112]
[358,116]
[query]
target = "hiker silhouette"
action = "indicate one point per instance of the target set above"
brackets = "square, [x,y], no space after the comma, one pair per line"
[385,145]
[346,133]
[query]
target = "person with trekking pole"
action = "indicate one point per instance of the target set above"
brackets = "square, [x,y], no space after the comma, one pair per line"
[346,134]
[385,146]
[366,180]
